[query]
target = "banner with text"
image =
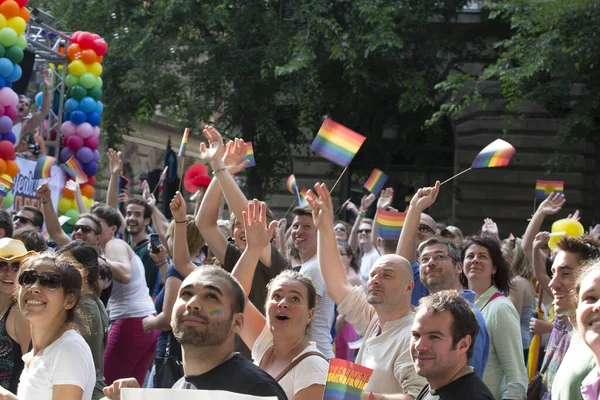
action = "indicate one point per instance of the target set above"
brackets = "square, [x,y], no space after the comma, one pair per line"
[25,185]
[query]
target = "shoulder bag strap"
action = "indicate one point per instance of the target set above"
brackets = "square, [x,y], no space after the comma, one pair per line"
[297,361]
[494,296]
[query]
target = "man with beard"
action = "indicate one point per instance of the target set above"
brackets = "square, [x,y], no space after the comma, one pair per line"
[384,317]
[207,315]
[138,215]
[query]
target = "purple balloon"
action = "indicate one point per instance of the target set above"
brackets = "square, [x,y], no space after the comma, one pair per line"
[90,168]
[11,137]
[84,155]
[5,124]
[96,156]
[65,154]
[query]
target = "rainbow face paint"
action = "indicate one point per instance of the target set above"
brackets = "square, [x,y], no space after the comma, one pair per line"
[215,310]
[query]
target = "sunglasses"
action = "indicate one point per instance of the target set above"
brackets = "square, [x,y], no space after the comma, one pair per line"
[21,219]
[48,279]
[364,231]
[84,229]
[14,266]
[339,228]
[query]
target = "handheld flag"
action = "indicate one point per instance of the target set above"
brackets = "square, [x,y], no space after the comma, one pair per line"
[345,380]
[5,186]
[534,348]
[390,223]
[73,168]
[496,154]
[543,189]
[184,140]
[302,198]
[376,181]
[161,180]
[250,155]
[291,185]
[337,143]
[43,167]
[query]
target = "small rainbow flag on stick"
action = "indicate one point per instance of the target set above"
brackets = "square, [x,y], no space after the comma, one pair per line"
[496,154]
[186,133]
[376,181]
[302,197]
[543,189]
[5,186]
[345,380]
[337,143]
[250,155]
[43,167]
[74,169]
[291,185]
[390,223]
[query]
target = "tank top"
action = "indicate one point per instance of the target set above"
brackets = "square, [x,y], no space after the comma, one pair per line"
[131,300]
[11,363]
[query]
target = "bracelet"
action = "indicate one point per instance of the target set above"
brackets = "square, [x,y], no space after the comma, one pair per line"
[181,222]
[163,262]
[362,212]
[219,170]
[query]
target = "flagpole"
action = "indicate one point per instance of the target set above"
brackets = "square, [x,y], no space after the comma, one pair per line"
[182,169]
[289,209]
[338,180]
[342,206]
[460,173]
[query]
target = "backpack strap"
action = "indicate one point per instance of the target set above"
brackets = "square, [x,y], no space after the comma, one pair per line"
[297,361]
[494,296]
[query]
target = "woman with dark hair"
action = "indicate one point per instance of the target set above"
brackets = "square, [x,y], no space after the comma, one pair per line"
[345,332]
[91,313]
[489,276]
[60,366]
[279,342]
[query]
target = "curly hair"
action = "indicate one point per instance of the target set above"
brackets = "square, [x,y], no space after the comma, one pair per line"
[503,276]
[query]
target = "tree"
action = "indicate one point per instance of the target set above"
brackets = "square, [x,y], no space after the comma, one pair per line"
[270,70]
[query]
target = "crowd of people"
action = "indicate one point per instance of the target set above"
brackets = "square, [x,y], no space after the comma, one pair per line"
[250,305]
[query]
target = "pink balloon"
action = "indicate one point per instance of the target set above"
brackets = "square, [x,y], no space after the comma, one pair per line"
[2,110]
[8,97]
[11,112]
[75,142]
[68,129]
[91,142]
[96,132]
[85,130]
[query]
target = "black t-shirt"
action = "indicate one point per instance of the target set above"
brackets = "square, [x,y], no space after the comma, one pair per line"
[236,375]
[467,387]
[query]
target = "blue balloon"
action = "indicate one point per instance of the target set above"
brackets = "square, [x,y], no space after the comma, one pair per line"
[71,105]
[2,81]
[78,117]
[99,107]
[87,104]
[6,67]
[67,117]
[11,137]
[90,168]
[8,84]
[93,118]
[15,74]
[39,98]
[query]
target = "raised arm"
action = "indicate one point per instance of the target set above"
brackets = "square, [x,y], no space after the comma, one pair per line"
[38,117]
[52,224]
[115,160]
[181,255]
[117,259]
[159,221]
[551,205]
[424,198]
[539,261]
[74,187]
[365,203]
[384,202]
[331,266]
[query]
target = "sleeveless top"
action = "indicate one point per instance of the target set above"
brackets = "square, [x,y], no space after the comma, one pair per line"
[11,363]
[131,300]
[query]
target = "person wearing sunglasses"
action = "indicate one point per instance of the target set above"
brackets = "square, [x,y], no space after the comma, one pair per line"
[28,216]
[60,364]
[14,328]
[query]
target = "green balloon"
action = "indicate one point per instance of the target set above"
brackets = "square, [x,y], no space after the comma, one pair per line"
[98,82]
[8,37]
[9,199]
[71,80]
[2,51]
[22,42]
[77,92]
[95,93]
[14,54]
[73,215]
[87,80]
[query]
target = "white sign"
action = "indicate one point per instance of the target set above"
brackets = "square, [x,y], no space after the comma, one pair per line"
[184,394]
[25,185]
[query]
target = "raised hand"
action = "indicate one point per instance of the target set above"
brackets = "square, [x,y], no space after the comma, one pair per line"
[574,216]
[385,199]
[258,234]
[367,201]
[124,197]
[215,143]
[178,207]
[73,186]
[233,157]
[282,225]
[47,80]
[552,204]
[43,192]
[115,161]
[541,239]
[490,227]
[595,231]
[321,206]
[147,195]
[160,256]
[425,197]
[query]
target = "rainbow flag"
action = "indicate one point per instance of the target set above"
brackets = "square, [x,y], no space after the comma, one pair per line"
[161,180]
[302,197]
[376,181]
[496,154]
[186,133]
[543,189]
[5,186]
[73,168]
[291,185]
[337,143]
[345,380]
[390,223]
[43,167]
[250,155]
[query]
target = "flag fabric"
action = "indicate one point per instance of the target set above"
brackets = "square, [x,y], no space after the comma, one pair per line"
[291,185]
[544,189]
[184,140]
[337,143]
[43,167]
[345,380]
[302,197]
[496,154]
[250,155]
[390,223]
[376,181]
[536,342]
[161,180]
[73,168]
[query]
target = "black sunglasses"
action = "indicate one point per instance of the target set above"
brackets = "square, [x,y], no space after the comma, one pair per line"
[14,265]
[48,279]
[84,229]
[364,231]
[22,219]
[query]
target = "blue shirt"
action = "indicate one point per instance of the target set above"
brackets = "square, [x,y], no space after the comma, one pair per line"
[481,349]
[419,290]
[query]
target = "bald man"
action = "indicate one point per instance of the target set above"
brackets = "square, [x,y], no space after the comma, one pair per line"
[383,316]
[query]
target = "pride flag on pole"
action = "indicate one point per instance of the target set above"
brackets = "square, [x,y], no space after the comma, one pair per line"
[302,198]
[43,167]
[543,189]
[291,185]
[73,168]
[250,155]
[390,223]
[337,143]
[345,380]
[496,154]
[376,181]
[186,133]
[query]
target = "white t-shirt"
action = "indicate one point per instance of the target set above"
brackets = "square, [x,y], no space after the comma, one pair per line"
[366,262]
[67,361]
[310,371]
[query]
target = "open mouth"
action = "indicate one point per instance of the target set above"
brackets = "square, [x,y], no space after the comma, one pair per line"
[33,302]
[8,282]
[282,318]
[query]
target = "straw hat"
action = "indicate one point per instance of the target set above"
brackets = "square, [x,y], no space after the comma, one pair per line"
[12,249]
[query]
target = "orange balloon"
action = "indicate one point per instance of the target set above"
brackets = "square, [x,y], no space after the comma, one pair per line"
[10,9]
[24,13]
[12,168]
[73,51]
[87,191]
[88,56]
[2,166]
[68,193]
[99,59]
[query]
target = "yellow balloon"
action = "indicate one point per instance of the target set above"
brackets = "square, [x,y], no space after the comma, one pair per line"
[95,69]
[88,202]
[18,24]
[7,177]
[76,68]
[570,227]
[64,204]
[3,21]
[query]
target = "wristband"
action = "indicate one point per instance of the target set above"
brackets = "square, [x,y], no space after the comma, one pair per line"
[163,262]
[181,222]
[362,212]
[219,170]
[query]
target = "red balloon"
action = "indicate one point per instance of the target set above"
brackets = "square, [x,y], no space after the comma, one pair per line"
[91,142]
[75,142]
[21,3]
[75,36]
[86,41]
[101,47]
[1,110]
[95,36]
[11,112]
[7,150]
[91,180]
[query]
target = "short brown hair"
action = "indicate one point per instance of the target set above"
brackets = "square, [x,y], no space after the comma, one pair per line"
[585,246]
